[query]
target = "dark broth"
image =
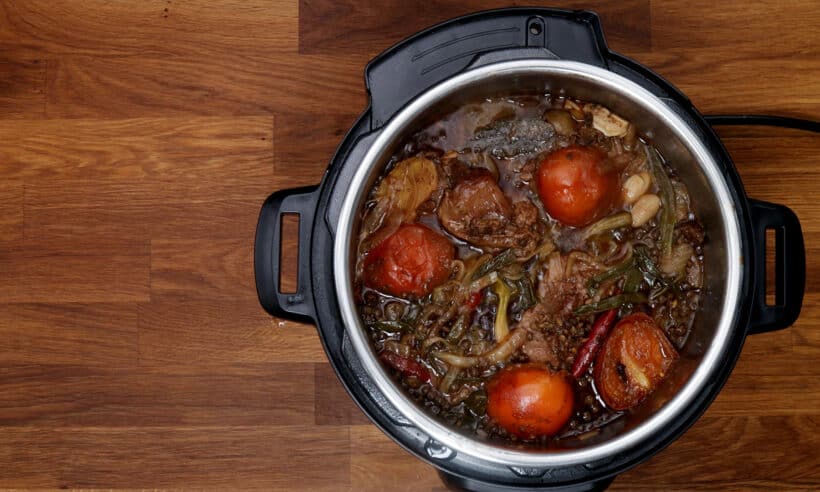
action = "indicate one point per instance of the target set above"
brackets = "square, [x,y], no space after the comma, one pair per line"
[509,137]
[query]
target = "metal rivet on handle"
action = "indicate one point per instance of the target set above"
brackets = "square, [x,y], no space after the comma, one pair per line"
[438,451]
[530,472]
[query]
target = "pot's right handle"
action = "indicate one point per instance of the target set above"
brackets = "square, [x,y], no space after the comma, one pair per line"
[297,306]
[790,267]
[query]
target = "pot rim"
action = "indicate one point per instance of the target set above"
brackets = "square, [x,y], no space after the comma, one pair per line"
[709,364]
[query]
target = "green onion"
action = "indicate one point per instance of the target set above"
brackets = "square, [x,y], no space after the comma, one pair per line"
[667,196]
[496,263]
[613,302]
[501,328]
[658,291]
[526,296]
[654,276]
[632,281]
[614,272]
[391,326]
[646,264]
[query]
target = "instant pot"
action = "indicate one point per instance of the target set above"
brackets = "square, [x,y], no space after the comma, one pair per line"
[531,51]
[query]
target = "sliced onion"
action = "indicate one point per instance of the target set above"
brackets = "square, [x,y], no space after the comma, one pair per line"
[675,263]
[499,353]
[561,121]
[429,341]
[449,379]
[581,257]
[609,223]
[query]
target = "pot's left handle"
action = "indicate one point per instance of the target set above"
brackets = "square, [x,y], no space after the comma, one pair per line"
[790,267]
[297,306]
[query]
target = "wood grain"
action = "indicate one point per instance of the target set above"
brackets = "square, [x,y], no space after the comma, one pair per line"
[11,209]
[741,81]
[684,25]
[376,463]
[81,86]
[304,143]
[74,271]
[161,397]
[159,28]
[348,25]
[333,406]
[52,334]
[184,268]
[189,148]
[137,209]
[211,332]
[137,143]
[268,457]
[788,442]
[806,341]
[22,88]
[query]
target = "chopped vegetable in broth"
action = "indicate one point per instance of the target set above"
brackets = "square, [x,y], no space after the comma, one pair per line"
[528,268]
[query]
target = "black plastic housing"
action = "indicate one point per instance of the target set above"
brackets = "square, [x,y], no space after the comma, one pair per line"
[419,63]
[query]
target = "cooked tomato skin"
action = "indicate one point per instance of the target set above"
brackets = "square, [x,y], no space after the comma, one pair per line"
[530,401]
[411,261]
[574,187]
[632,363]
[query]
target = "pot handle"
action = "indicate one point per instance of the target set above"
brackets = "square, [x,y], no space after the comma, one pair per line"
[459,483]
[447,49]
[296,306]
[790,267]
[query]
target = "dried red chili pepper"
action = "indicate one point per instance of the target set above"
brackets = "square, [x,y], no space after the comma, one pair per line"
[406,366]
[600,329]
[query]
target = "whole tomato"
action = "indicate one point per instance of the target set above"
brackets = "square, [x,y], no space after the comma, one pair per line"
[530,401]
[574,186]
[632,363]
[411,261]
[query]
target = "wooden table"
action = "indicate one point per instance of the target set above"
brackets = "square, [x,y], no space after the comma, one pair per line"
[137,142]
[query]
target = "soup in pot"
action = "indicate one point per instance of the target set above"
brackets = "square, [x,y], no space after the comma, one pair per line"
[528,268]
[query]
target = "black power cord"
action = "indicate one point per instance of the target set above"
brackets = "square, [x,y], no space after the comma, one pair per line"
[763,120]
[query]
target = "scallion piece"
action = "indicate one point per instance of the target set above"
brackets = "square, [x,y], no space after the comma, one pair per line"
[613,302]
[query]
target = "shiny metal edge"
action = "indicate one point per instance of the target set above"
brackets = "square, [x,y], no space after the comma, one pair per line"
[481,450]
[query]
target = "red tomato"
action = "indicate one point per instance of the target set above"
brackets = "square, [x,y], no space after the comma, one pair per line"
[530,401]
[633,361]
[411,261]
[574,187]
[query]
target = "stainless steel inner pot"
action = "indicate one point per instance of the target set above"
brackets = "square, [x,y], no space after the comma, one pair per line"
[711,201]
